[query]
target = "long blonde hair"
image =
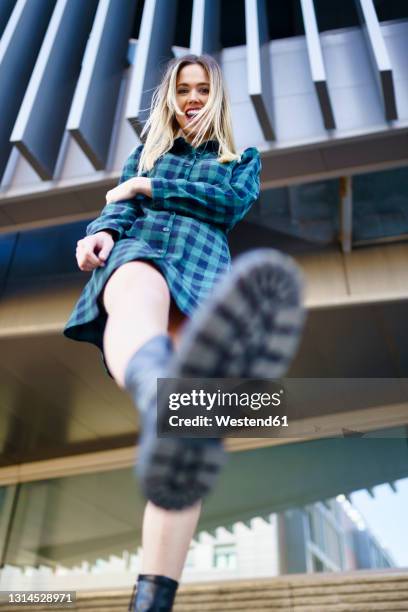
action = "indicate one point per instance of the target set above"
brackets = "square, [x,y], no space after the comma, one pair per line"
[213,120]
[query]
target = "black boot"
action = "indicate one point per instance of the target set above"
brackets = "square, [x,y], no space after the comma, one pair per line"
[153,594]
[249,327]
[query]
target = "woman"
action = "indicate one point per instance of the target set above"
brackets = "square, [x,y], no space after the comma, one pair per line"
[157,252]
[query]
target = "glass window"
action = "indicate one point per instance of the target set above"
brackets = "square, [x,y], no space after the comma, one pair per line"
[190,558]
[72,529]
[225,556]
[310,521]
[318,565]
[380,206]
[311,212]
[308,212]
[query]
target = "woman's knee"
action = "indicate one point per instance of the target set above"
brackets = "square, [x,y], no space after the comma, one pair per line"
[136,280]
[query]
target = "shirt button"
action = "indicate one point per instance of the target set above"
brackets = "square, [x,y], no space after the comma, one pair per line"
[165,229]
[160,251]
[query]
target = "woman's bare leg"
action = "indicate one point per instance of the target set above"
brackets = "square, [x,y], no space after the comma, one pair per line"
[176,322]
[166,539]
[167,534]
[137,301]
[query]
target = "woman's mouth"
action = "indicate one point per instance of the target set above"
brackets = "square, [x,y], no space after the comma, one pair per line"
[191,113]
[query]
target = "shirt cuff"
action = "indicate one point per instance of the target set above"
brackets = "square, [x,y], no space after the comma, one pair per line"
[95,227]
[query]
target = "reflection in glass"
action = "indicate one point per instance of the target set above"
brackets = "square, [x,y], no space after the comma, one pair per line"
[83,532]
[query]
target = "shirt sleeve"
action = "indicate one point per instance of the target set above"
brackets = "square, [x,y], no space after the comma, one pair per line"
[224,204]
[119,216]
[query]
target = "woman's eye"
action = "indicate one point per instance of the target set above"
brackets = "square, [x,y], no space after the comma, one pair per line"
[204,90]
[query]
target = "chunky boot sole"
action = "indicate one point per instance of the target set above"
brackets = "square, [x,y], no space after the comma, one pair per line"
[249,328]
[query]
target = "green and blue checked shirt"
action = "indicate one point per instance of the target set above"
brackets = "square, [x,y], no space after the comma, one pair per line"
[182,229]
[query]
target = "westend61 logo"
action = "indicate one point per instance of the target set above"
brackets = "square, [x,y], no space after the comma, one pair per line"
[291,407]
[220,407]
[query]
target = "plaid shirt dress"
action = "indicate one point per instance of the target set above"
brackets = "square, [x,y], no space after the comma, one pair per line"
[182,228]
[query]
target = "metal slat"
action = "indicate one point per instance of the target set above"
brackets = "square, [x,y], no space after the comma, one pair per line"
[153,50]
[6,8]
[93,108]
[41,121]
[379,56]
[19,47]
[258,65]
[316,62]
[205,27]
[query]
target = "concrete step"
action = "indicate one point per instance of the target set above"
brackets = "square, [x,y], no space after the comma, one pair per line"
[344,592]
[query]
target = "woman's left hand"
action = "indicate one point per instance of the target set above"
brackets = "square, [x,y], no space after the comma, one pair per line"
[128,189]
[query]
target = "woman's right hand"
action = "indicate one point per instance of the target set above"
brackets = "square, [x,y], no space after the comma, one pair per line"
[92,251]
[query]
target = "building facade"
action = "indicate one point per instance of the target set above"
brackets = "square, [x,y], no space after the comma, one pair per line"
[328,536]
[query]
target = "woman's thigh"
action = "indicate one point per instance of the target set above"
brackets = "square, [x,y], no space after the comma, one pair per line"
[176,321]
[140,279]
[144,277]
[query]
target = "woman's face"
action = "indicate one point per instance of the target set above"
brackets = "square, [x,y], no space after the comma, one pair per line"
[192,91]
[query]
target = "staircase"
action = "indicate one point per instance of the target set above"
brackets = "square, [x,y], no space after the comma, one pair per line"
[352,592]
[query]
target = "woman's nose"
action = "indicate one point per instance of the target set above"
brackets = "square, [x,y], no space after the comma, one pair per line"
[193,97]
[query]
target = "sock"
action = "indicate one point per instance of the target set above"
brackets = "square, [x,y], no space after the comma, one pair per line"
[144,368]
[154,593]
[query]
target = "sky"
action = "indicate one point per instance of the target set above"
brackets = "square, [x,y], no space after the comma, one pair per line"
[386,515]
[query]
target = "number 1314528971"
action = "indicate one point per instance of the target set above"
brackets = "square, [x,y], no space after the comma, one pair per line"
[63,599]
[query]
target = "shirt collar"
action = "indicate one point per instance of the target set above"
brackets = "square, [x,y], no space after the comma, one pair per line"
[181,143]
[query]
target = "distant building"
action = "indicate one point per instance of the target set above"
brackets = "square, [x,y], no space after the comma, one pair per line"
[369,554]
[321,537]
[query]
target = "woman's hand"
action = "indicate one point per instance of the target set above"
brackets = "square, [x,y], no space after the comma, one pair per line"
[92,251]
[128,189]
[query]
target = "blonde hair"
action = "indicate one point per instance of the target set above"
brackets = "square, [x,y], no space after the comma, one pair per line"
[213,120]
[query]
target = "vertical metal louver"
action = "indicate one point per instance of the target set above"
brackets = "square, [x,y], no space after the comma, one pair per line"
[6,8]
[63,64]
[379,56]
[259,65]
[41,121]
[205,27]
[93,108]
[317,68]
[19,48]
[153,50]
